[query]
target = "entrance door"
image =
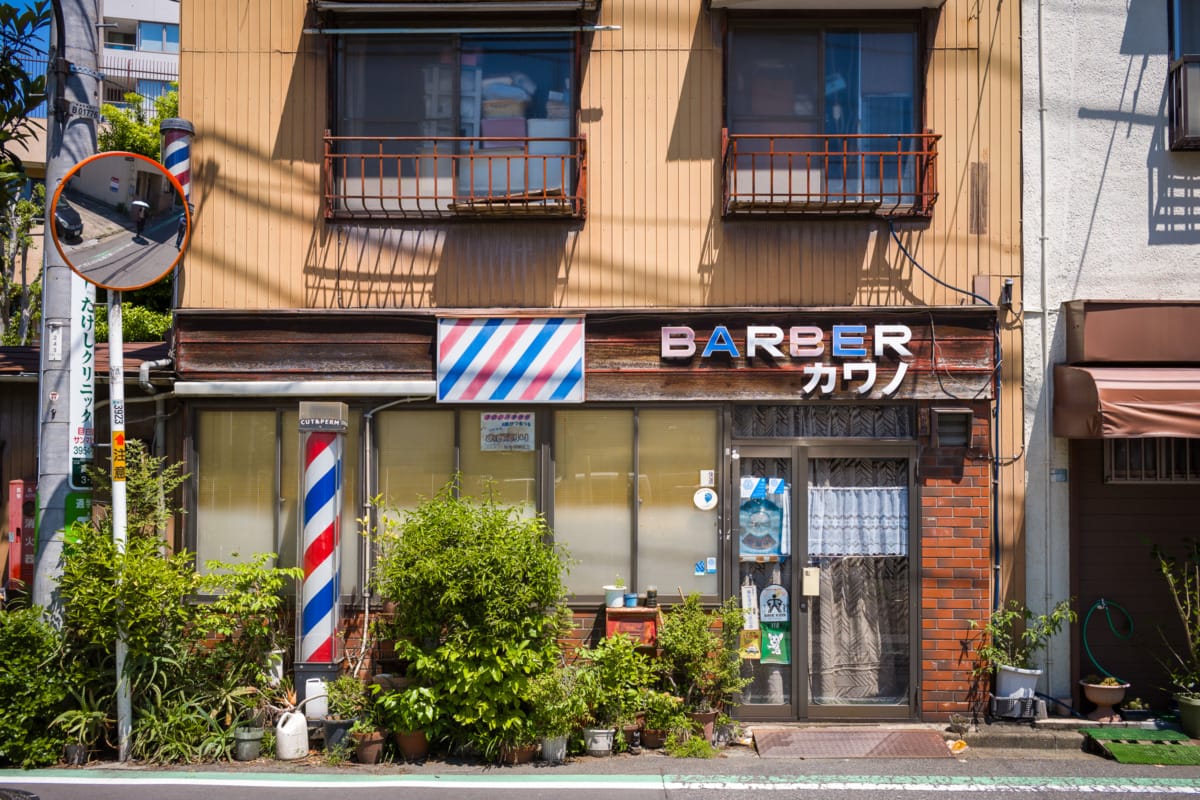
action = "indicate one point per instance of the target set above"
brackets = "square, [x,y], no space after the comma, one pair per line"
[821,544]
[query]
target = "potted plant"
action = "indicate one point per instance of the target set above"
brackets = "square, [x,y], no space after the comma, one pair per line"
[409,713]
[663,714]
[369,736]
[1104,693]
[611,677]
[1008,648]
[1182,663]
[557,710]
[614,593]
[699,657]
[84,726]
[347,701]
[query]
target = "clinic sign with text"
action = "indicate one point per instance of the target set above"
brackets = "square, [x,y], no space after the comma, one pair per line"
[854,357]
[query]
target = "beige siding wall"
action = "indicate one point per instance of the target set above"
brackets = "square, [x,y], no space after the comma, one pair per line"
[255,87]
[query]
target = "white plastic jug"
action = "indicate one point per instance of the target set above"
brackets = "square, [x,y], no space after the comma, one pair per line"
[316,699]
[291,736]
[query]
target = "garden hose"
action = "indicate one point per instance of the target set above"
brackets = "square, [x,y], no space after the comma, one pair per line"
[1106,606]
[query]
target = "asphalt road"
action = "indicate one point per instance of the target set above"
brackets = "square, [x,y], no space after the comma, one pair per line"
[124,259]
[977,775]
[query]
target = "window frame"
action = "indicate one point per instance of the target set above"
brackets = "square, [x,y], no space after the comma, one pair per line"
[163,40]
[457,174]
[822,24]
[1162,470]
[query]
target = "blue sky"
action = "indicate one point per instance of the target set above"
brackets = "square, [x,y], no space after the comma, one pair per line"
[45,34]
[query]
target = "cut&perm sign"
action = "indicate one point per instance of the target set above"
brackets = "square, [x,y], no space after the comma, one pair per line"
[857,351]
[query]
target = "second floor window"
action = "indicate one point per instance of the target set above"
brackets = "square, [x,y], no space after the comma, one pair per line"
[825,114]
[437,122]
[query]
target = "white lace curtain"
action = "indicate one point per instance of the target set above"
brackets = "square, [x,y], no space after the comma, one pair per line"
[854,521]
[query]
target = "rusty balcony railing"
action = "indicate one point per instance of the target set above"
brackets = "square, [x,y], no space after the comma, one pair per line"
[1183,94]
[890,175]
[447,177]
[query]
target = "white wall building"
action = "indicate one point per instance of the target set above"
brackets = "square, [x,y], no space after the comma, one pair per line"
[1111,212]
[141,47]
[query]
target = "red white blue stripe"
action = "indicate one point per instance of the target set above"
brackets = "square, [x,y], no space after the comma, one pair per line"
[177,158]
[510,359]
[322,527]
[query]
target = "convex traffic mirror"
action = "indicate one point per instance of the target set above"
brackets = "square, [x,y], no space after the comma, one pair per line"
[120,221]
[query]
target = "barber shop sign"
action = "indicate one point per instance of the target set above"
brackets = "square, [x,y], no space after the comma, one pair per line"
[854,354]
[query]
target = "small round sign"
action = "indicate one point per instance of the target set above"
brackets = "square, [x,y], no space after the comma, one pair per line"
[705,499]
[120,221]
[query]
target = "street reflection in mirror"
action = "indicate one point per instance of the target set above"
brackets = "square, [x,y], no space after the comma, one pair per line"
[120,221]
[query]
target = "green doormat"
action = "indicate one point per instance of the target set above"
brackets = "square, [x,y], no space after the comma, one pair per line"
[1137,746]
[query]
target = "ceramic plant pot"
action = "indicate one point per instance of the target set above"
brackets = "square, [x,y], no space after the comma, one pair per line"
[1105,697]
[247,743]
[1189,714]
[598,741]
[554,749]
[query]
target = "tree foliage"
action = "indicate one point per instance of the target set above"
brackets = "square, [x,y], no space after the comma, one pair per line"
[20,94]
[131,128]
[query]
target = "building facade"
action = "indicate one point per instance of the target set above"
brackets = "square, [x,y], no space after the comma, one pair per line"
[724,290]
[1112,405]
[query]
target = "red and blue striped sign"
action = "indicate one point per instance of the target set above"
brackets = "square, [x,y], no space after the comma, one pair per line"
[322,522]
[510,360]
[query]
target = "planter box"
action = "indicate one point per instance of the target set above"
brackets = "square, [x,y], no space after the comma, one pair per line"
[1016,682]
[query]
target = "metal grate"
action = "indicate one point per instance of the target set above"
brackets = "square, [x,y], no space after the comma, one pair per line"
[849,743]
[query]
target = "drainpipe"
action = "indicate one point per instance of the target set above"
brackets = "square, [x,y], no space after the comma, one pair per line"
[369,517]
[160,424]
[149,388]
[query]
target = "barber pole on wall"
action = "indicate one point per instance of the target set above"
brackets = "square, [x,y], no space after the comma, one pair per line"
[176,151]
[322,441]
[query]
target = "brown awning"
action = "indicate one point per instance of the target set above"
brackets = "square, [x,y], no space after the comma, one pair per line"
[1126,402]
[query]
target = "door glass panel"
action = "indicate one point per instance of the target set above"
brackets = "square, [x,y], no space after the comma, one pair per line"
[858,533]
[764,538]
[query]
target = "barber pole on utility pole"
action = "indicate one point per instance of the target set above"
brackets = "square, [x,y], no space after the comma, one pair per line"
[177,151]
[323,428]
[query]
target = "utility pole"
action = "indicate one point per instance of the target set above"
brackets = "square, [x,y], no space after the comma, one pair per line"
[67,367]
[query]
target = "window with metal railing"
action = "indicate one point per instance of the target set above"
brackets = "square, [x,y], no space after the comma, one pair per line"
[446,125]
[823,117]
[1152,460]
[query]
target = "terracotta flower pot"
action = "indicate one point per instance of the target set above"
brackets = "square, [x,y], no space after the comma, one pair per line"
[368,747]
[413,745]
[706,720]
[518,754]
[654,738]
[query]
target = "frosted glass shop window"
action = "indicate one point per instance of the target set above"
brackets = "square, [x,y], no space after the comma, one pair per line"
[415,452]
[236,490]
[593,495]
[674,446]
[510,474]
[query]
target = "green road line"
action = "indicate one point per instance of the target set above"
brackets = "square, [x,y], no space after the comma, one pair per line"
[845,783]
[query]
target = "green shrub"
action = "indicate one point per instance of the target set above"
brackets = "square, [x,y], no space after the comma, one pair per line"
[699,657]
[33,690]
[479,603]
